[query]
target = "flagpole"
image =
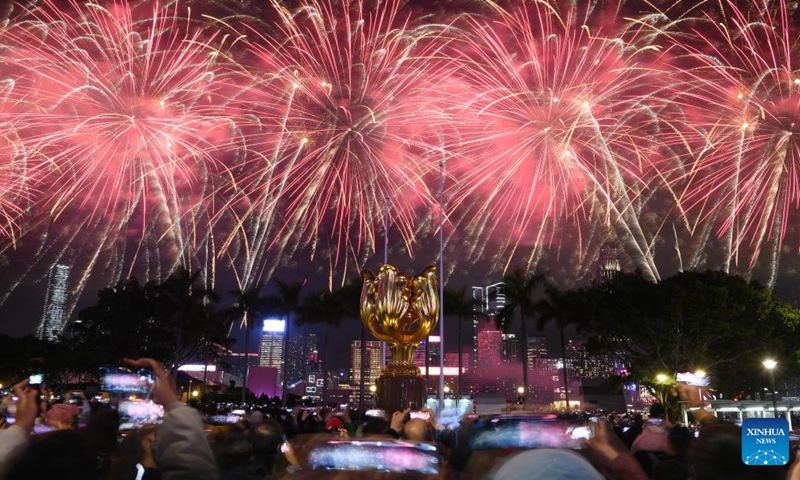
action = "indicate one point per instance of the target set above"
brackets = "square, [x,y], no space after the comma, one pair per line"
[385,260]
[441,285]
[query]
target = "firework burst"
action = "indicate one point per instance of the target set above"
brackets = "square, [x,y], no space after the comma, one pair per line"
[358,98]
[743,90]
[564,123]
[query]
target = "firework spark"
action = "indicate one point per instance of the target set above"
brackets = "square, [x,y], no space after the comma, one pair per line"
[744,94]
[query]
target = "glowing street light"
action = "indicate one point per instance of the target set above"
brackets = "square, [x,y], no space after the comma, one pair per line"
[770,364]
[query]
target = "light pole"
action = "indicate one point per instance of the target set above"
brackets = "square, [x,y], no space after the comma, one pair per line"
[521,395]
[771,364]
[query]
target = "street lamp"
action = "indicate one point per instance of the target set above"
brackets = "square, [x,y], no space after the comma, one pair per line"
[446,389]
[771,364]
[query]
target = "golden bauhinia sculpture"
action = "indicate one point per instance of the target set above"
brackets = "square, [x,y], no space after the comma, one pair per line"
[401,311]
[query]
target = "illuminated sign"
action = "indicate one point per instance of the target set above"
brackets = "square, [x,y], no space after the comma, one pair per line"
[435,339]
[273,325]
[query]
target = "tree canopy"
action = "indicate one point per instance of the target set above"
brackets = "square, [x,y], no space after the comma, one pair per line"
[710,320]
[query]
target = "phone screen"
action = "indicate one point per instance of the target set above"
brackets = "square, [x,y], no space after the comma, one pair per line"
[125,381]
[135,414]
[383,456]
[421,415]
[35,380]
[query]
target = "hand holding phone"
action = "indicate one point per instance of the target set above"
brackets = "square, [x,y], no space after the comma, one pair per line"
[162,387]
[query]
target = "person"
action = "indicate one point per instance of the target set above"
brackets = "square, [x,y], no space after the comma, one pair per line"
[61,416]
[14,440]
[675,465]
[183,452]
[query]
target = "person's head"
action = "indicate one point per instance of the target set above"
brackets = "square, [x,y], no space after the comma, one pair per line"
[61,416]
[235,448]
[266,438]
[679,440]
[547,464]
[417,430]
[63,454]
[657,411]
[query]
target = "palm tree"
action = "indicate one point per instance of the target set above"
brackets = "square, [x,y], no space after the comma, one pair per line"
[181,302]
[457,304]
[520,287]
[329,308]
[249,306]
[286,303]
[559,307]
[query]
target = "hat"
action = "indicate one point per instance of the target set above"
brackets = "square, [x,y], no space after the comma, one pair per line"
[547,464]
[334,423]
[62,413]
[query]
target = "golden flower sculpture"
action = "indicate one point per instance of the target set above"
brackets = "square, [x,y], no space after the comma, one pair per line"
[400,311]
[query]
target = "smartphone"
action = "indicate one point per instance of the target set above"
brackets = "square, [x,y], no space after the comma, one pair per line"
[655,422]
[693,379]
[375,413]
[284,444]
[123,380]
[35,380]
[133,415]
[384,456]
[423,415]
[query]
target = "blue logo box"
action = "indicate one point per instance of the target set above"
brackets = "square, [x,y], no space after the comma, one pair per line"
[765,441]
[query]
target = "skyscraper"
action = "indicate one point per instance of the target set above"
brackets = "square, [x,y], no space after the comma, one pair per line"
[373,362]
[55,301]
[510,348]
[302,356]
[271,347]
[488,300]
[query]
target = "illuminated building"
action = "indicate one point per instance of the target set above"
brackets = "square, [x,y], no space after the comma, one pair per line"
[55,300]
[537,348]
[373,362]
[487,302]
[271,347]
[490,348]
[302,356]
[510,348]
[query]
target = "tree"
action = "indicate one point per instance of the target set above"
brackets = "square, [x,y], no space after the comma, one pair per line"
[185,305]
[249,306]
[120,325]
[456,303]
[561,308]
[693,320]
[329,307]
[520,288]
[285,304]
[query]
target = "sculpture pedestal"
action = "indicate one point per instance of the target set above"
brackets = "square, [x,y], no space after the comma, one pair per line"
[395,394]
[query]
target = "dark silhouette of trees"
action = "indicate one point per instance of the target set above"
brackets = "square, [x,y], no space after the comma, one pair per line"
[713,321]
[285,304]
[520,290]
[330,308]
[457,303]
[248,308]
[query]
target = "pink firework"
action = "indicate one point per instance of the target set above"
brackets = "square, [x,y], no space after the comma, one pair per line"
[561,127]
[357,96]
[744,92]
[129,113]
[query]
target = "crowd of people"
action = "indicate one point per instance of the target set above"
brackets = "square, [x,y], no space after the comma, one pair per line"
[78,440]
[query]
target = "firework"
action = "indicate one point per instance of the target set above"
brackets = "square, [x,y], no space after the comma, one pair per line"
[357,96]
[129,130]
[743,91]
[564,127]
